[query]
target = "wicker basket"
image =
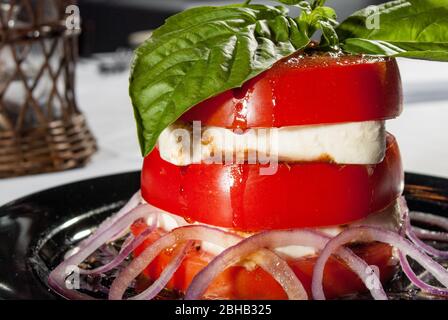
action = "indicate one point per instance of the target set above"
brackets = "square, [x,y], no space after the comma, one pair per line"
[41,128]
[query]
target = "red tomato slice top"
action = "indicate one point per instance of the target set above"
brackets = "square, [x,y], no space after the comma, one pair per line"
[306,90]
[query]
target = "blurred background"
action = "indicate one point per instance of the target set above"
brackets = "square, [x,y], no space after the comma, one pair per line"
[108,24]
[110,29]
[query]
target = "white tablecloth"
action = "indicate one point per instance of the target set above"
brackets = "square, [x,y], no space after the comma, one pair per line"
[422,130]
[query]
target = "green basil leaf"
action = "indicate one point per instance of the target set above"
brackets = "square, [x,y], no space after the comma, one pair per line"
[314,4]
[324,18]
[317,17]
[329,35]
[406,28]
[202,52]
[378,47]
[290,2]
[318,3]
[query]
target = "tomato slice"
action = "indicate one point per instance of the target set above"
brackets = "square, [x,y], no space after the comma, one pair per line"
[238,283]
[298,195]
[306,90]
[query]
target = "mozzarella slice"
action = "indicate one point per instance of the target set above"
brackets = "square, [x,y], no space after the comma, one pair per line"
[346,143]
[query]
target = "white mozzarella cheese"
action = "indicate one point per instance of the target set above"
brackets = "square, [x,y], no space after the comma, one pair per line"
[346,143]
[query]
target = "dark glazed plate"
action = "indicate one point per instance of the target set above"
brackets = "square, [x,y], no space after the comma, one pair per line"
[36,231]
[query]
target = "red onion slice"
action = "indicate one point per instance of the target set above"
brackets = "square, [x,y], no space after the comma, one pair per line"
[273,264]
[279,269]
[58,276]
[269,239]
[128,207]
[409,232]
[424,234]
[417,281]
[370,234]
[153,290]
[182,234]
[125,251]
[127,241]
[429,219]
[419,243]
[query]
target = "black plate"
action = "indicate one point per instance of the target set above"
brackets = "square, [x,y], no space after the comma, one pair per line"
[36,230]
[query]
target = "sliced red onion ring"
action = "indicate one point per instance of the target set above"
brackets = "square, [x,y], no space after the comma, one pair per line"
[182,234]
[419,243]
[179,220]
[273,264]
[414,237]
[127,241]
[424,234]
[125,251]
[369,234]
[419,283]
[409,232]
[57,278]
[365,272]
[106,224]
[270,239]
[429,219]
[153,290]
[281,272]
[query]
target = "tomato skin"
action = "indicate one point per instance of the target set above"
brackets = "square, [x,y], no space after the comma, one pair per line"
[239,283]
[297,196]
[306,91]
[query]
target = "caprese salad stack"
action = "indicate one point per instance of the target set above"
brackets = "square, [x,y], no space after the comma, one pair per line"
[268,172]
[338,167]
